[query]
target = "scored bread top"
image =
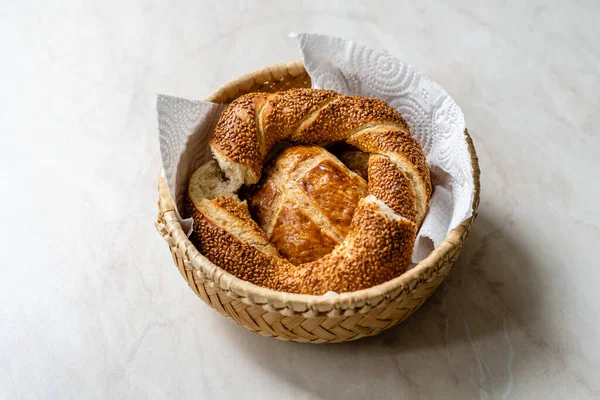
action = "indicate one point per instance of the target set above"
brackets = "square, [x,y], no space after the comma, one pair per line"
[305,202]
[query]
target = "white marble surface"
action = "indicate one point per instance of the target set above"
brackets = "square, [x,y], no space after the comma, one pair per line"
[92,306]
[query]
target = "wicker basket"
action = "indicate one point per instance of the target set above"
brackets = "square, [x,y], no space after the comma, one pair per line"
[304,318]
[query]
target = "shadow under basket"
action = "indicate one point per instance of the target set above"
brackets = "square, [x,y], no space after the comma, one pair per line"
[305,318]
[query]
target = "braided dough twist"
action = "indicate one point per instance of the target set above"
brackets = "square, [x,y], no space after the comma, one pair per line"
[380,240]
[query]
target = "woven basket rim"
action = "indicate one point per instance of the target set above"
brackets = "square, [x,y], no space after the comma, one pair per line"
[290,303]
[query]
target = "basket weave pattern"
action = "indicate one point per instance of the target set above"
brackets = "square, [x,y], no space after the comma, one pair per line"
[302,318]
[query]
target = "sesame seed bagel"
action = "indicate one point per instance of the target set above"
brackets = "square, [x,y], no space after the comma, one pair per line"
[320,227]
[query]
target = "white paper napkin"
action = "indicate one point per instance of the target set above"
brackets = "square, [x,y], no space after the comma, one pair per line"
[435,120]
[184,130]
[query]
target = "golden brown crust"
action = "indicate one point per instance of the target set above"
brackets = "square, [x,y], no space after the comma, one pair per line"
[334,191]
[312,116]
[285,111]
[393,141]
[236,136]
[239,258]
[239,210]
[291,159]
[404,149]
[235,220]
[390,185]
[308,116]
[297,237]
[378,249]
[305,202]
[263,202]
[322,193]
[341,117]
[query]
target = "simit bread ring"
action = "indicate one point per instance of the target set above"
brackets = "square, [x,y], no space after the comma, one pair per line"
[381,235]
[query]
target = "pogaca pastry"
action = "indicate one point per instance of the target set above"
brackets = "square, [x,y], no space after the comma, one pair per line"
[382,231]
[305,202]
